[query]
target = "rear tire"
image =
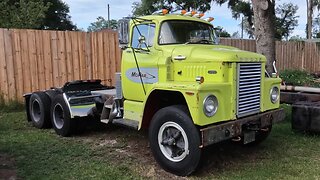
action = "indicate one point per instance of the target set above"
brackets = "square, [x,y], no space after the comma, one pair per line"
[175,141]
[61,118]
[39,108]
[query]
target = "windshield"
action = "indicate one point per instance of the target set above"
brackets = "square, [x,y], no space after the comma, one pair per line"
[186,32]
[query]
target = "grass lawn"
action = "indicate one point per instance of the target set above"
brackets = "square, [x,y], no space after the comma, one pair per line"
[119,153]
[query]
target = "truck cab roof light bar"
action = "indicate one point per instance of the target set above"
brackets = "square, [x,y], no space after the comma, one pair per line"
[183,13]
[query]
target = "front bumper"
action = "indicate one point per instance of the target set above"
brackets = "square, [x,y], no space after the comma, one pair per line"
[220,132]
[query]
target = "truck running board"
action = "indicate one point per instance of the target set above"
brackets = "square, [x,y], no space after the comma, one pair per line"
[126,123]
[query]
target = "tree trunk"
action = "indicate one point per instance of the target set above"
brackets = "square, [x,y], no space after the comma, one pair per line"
[264,14]
[309,16]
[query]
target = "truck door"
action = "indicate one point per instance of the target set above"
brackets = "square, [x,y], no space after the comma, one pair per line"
[140,58]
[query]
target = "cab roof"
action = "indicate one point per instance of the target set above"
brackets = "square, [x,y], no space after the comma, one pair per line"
[166,17]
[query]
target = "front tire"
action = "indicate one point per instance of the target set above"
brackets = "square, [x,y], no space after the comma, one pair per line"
[39,110]
[61,118]
[175,141]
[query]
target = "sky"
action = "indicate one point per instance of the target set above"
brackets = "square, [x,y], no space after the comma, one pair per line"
[83,12]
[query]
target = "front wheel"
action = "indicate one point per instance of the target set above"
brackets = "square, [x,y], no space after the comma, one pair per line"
[175,141]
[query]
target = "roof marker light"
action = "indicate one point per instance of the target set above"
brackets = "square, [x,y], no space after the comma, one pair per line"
[191,13]
[179,12]
[161,12]
[198,15]
[165,11]
[209,19]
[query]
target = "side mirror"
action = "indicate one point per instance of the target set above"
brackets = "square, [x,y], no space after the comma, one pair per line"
[142,40]
[123,30]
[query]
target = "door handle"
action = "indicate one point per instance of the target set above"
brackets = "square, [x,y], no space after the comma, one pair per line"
[180,58]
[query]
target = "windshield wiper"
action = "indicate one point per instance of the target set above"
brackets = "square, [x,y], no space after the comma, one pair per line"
[201,41]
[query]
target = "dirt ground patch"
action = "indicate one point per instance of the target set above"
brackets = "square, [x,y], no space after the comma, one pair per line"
[7,167]
[126,146]
[132,147]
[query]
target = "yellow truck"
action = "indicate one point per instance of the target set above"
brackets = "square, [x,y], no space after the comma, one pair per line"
[177,82]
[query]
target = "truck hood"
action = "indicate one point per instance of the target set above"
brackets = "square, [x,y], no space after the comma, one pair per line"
[209,53]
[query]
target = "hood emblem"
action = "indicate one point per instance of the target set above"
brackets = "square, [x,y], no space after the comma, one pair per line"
[180,58]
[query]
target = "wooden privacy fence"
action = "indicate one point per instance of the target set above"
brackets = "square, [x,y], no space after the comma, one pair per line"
[289,55]
[32,60]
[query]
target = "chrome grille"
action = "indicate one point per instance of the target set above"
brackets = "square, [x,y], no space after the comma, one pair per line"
[249,90]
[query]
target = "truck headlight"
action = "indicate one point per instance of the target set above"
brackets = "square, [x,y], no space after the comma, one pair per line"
[274,94]
[210,105]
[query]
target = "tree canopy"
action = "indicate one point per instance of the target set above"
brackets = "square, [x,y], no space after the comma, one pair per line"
[35,14]
[101,24]
[285,19]
[57,16]
[22,14]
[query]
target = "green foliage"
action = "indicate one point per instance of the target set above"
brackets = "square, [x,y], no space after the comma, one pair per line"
[286,20]
[222,32]
[57,17]
[101,24]
[296,38]
[22,13]
[299,78]
[285,17]
[35,14]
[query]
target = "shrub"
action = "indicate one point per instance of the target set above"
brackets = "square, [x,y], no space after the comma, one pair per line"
[299,78]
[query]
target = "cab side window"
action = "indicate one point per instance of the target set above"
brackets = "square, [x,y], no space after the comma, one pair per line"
[145,30]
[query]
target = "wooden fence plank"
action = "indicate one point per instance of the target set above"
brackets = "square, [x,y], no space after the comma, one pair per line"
[88,50]
[69,56]
[10,64]
[112,57]
[3,68]
[40,60]
[75,55]
[47,55]
[100,60]
[18,63]
[107,64]
[55,58]
[82,55]
[62,58]
[25,62]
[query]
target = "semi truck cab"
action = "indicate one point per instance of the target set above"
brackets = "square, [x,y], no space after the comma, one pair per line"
[177,82]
